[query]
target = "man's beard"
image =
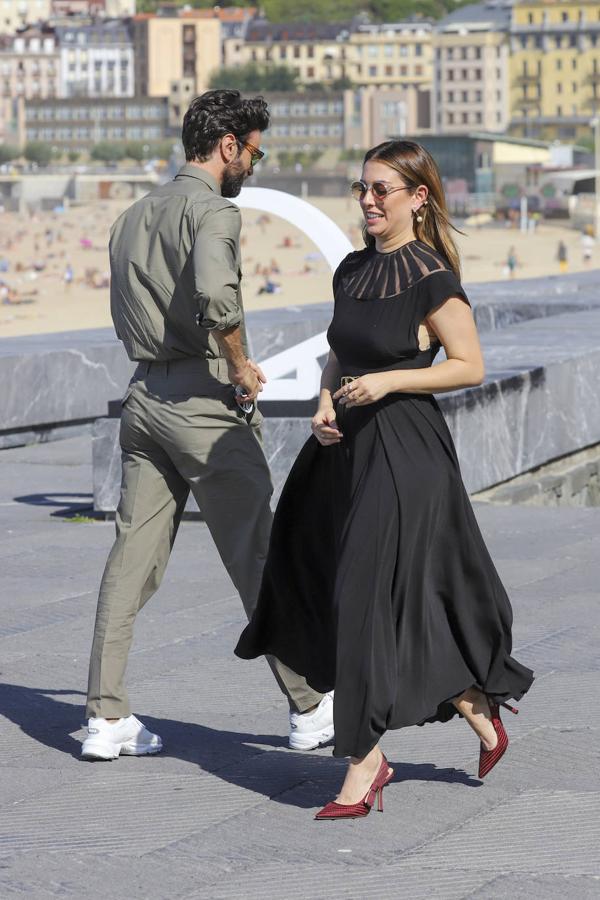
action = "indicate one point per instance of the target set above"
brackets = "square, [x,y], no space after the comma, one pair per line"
[233,179]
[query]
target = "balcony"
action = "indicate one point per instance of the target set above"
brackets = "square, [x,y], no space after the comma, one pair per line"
[592,78]
[526,79]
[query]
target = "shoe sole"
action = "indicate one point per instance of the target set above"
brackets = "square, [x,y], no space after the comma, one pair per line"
[311,741]
[106,752]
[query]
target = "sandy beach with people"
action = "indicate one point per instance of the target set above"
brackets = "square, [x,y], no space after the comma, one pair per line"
[54,269]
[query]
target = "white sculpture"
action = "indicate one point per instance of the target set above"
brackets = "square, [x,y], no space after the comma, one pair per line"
[295,373]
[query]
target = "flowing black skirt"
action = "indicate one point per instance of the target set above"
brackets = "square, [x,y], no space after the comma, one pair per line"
[378,582]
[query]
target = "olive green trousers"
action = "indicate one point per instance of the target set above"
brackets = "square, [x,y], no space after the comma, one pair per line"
[181,430]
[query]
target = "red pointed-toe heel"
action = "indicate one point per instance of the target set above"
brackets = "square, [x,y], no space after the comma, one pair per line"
[335,810]
[489,758]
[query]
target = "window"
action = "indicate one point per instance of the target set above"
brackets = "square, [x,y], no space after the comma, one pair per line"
[559,110]
[418,49]
[559,88]
[373,50]
[477,52]
[372,71]
[450,96]
[478,96]
[418,70]
[388,50]
[450,118]
[450,53]
[388,71]
[564,16]
[450,75]
[310,72]
[463,52]
[403,50]
[530,18]
[559,64]
[574,62]
[465,118]
[310,51]
[283,52]
[574,87]
[478,118]
[296,51]
[464,96]
[403,71]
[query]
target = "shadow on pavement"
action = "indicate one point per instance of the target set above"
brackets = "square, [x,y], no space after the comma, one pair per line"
[236,757]
[65,504]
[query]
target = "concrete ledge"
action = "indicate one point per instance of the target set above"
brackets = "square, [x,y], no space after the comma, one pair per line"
[535,406]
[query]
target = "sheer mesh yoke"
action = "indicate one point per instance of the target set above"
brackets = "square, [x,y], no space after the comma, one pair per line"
[368,274]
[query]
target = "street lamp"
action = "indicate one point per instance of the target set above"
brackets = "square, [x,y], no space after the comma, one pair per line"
[595,123]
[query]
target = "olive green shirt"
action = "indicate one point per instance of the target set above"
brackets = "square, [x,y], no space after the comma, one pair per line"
[175,269]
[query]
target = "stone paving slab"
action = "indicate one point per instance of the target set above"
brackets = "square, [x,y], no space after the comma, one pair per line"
[226,811]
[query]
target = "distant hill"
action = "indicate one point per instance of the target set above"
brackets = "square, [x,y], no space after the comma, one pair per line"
[328,10]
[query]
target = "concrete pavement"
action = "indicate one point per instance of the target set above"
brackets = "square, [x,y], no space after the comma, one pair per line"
[226,810]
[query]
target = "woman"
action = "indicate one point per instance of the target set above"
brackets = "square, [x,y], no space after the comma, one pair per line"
[378,582]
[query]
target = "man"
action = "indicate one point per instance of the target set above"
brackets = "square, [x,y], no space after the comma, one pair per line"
[177,307]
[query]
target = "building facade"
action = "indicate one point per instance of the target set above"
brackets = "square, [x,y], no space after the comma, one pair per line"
[554,68]
[171,47]
[111,9]
[470,84]
[96,59]
[16,14]
[382,56]
[29,65]
[79,123]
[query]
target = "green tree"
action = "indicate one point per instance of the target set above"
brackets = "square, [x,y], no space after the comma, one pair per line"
[73,156]
[136,150]
[8,152]
[37,152]
[250,78]
[161,149]
[107,152]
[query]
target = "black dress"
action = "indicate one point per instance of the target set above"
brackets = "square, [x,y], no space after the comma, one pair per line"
[378,582]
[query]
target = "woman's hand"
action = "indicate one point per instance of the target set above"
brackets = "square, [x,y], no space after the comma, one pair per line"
[363,390]
[324,426]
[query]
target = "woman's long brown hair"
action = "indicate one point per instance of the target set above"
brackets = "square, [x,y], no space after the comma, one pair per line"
[416,166]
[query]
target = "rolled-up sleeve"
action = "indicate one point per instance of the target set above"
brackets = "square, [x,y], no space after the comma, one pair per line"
[216,270]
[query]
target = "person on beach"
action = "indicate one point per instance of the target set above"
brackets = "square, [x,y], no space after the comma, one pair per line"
[189,420]
[378,582]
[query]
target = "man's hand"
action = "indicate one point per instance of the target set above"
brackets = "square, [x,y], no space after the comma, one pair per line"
[250,377]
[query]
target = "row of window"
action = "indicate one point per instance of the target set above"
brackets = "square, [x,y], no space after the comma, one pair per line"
[334,129]
[92,133]
[109,64]
[461,52]
[315,108]
[579,16]
[466,118]
[84,113]
[466,75]
[558,42]
[467,96]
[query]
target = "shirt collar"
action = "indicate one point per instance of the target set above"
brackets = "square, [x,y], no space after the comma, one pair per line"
[191,171]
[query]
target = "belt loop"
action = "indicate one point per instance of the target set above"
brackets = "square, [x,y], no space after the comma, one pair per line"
[167,368]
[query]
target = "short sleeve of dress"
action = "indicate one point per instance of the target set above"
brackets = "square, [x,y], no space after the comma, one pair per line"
[437,287]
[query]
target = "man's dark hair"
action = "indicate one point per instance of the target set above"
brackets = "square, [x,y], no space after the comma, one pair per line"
[215,113]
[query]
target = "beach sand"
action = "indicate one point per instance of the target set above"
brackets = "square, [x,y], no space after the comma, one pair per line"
[45,302]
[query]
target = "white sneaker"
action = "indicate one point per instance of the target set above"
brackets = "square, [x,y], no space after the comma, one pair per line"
[309,731]
[106,740]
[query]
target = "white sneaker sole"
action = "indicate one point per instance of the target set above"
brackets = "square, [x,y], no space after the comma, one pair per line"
[104,750]
[310,740]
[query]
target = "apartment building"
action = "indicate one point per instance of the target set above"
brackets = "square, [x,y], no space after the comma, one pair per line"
[470,73]
[554,68]
[29,65]
[170,46]
[96,59]
[16,14]
[111,9]
[391,55]
[79,123]
[364,55]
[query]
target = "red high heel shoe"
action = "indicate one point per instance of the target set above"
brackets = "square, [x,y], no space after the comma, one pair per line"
[489,758]
[335,810]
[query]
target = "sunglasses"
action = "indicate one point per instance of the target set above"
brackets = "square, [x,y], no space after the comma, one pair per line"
[255,154]
[379,189]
